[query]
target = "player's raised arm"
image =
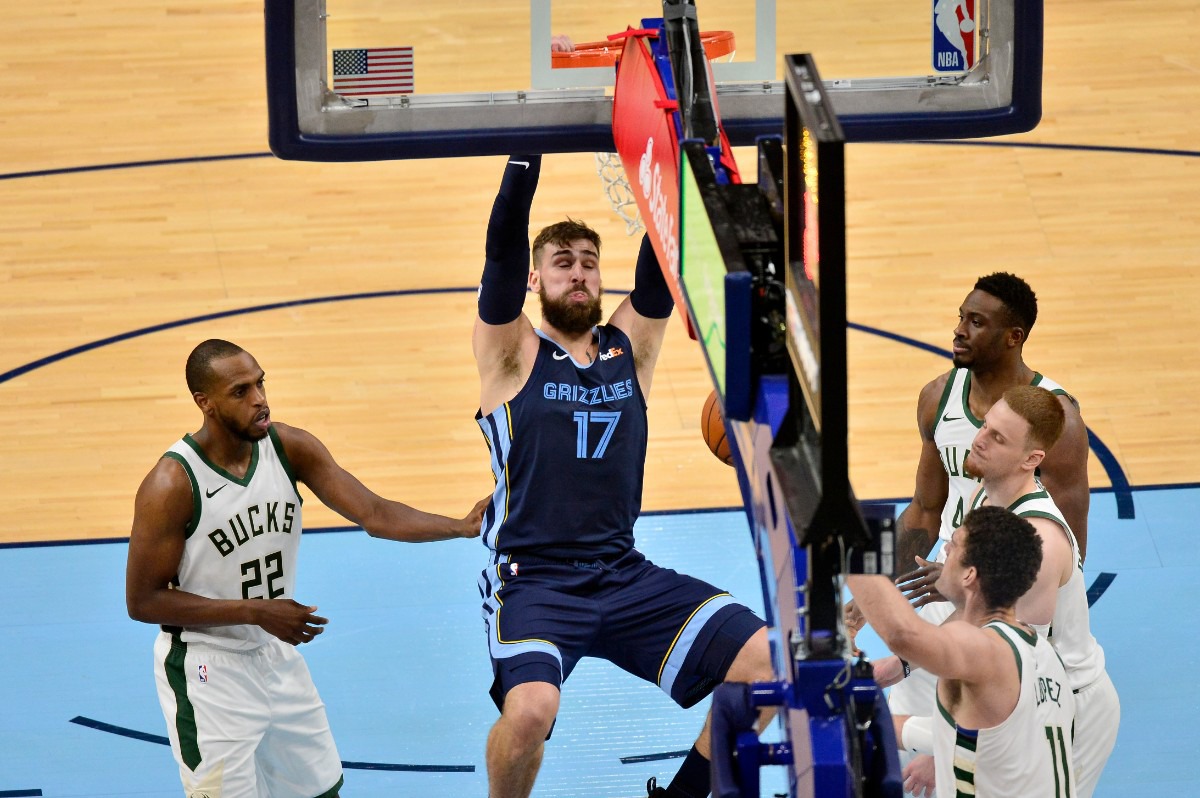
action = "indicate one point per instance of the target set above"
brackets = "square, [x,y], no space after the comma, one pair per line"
[501,325]
[343,493]
[917,527]
[952,650]
[645,313]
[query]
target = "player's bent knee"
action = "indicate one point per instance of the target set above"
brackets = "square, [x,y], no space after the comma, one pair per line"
[530,709]
[753,662]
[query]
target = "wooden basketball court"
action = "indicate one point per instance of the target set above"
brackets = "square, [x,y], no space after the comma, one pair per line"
[138,195]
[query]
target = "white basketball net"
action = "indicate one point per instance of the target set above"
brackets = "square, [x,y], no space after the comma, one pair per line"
[618,191]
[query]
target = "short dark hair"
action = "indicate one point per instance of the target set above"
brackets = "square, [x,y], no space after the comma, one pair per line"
[1020,303]
[562,234]
[1005,550]
[198,371]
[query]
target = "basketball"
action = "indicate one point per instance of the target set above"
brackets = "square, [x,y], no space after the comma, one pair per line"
[713,426]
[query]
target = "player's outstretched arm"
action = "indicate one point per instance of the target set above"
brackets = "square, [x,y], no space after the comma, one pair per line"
[503,339]
[162,511]
[952,650]
[917,528]
[343,493]
[1064,473]
[645,313]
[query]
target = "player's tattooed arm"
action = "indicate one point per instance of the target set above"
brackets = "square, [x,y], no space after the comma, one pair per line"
[917,527]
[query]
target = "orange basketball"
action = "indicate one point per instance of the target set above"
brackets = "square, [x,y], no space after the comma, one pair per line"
[712,425]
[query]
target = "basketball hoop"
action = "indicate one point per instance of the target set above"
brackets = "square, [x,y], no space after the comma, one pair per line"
[717,44]
[618,191]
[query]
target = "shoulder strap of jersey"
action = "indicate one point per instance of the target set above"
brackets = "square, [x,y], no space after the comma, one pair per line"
[176,453]
[947,394]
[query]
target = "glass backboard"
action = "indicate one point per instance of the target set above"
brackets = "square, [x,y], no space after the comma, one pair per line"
[482,78]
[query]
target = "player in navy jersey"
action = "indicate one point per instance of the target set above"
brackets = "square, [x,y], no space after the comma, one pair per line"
[563,409]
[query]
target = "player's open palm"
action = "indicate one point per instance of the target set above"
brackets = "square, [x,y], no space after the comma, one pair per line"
[919,585]
[289,620]
[919,777]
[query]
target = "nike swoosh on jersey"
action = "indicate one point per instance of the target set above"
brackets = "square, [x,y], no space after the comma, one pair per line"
[520,163]
[208,494]
[948,418]
[560,355]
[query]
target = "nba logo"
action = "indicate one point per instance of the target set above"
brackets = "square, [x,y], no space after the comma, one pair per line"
[203,673]
[953,35]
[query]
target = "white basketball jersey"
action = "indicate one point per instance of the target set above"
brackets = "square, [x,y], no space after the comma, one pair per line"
[1071,627]
[953,433]
[1029,753]
[243,537]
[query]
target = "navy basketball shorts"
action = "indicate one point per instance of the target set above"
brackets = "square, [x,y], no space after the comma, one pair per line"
[543,616]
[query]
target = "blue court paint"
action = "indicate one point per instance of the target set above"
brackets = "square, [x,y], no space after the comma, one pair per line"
[409,768]
[403,670]
[161,740]
[1037,145]
[1098,587]
[634,760]
[158,739]
[108,167]
[170,325]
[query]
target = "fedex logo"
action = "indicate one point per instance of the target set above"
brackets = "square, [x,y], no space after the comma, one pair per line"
[611,353]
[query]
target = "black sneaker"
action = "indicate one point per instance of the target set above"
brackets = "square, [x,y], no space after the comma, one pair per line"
[653,790]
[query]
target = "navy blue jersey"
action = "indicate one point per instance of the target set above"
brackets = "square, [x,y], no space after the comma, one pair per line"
[568,453]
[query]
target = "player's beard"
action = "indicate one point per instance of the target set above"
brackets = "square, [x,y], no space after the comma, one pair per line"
[968,462]
[245,432]
[570,317]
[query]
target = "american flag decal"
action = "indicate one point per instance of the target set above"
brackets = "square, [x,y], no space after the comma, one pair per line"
[373,72]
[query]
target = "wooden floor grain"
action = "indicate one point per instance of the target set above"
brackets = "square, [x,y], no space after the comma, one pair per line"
[1096,208]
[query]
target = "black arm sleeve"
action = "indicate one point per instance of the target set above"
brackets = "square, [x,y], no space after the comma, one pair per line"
[506,265]
[650,296]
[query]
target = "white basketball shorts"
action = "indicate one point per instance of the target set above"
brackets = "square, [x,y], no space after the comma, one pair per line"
[245,724]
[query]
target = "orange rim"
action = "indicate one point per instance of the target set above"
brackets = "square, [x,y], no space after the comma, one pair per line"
[716,43]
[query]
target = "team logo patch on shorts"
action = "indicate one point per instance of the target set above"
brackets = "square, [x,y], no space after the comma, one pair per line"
[202,672]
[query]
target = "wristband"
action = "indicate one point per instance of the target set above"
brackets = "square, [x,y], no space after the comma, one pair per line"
[905,665]
[917,735]
[651,297]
